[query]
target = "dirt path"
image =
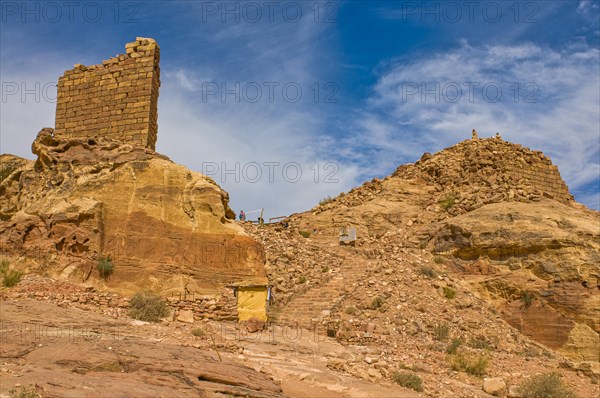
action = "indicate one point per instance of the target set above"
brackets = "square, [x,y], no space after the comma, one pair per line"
[300,358]
[68,352]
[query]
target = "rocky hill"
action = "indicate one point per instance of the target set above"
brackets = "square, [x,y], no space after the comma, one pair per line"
[481,241]
[456,180]
[474,268]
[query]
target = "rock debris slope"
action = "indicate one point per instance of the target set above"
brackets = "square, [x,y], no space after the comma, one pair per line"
[481,242]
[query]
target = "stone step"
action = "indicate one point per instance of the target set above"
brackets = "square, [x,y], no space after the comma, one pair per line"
[311,303]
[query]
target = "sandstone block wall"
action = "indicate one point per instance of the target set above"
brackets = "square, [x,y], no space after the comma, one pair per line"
[117,99]
[477,172]
[541,174]
[220,308]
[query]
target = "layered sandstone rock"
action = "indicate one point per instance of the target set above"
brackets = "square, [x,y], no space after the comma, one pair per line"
[67,352]
[165,227]
[504,217]
[545,249]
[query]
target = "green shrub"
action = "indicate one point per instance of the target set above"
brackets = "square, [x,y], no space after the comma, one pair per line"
[408,380]
[377,302]
[448,201]
[24,392]
[4,266]
[306,234]
[453,346]
[545,386]
[302,279]
[11,277]
[449,293]
[147,306]
[325,268]
[527,298]
[428,271]
[325,200]
[198,332]
[105,266]
[441,332]
[351,310]
[471,364]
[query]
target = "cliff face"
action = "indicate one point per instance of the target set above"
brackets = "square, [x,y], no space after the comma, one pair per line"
[537,262]
[165,227]
[505,220]
[98,189]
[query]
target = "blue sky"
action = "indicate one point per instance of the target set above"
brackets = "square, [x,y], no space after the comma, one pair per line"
[300,100]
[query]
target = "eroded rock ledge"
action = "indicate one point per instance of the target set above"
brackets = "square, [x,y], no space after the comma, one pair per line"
[165,227]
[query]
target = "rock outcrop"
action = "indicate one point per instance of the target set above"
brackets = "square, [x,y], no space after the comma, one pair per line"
[165,227]
[540,262]
[454,181]
[473,173]
[67,352]
[505,220]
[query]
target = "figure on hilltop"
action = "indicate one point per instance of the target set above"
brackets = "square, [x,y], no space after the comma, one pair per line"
[498,136]
[474,136]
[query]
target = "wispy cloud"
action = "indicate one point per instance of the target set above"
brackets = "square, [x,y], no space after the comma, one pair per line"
[186,79]
[549,100]
[216,118]
[211,70]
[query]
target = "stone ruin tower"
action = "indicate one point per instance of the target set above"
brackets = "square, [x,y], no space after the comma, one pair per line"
[117,99]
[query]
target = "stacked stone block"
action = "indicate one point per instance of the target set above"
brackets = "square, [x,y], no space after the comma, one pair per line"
[482,171]
[220,308]
[117,99]
[541,174]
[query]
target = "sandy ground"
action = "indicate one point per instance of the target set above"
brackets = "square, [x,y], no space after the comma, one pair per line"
[69,352]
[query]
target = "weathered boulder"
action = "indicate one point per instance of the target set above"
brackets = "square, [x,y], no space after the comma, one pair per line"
[165,227]
[514,392]
[494,385]
[254,325]
[185,316]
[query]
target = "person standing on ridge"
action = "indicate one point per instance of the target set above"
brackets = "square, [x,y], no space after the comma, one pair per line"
[242,215]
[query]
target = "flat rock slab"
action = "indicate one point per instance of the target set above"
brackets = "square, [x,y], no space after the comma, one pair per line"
[71,353]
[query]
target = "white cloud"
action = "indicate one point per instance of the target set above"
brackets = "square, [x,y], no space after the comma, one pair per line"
[562,121]
[185,79]
[213,136]
[195,130]
[587,6]
[27,105]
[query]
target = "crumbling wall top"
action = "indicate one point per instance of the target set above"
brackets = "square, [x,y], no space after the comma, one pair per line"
[117,98]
